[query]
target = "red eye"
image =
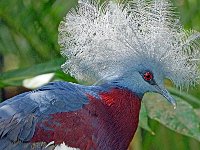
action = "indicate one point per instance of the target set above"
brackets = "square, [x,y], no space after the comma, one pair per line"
[148,76]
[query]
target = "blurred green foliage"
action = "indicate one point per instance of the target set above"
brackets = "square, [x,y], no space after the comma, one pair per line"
[28,47]
[28,30]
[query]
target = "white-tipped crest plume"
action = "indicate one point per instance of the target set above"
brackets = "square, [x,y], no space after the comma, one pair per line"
[104,41]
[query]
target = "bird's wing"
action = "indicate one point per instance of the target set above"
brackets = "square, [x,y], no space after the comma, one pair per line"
[19,115]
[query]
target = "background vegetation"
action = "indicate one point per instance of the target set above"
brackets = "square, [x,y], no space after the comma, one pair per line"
[28,47]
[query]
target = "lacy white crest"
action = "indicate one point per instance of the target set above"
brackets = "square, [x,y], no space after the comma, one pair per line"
[102,41]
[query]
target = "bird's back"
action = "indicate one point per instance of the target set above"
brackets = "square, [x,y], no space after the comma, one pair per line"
[82,117]
[20,115]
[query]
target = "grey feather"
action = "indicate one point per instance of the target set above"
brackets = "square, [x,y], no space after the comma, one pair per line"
[102,42]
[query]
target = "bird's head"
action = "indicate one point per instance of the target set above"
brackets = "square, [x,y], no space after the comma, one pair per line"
[147,76]
[135,45]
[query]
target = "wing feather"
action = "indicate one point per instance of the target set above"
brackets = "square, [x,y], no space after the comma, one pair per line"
[19,115]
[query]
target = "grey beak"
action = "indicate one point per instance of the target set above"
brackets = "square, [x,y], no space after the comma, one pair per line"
[167,95]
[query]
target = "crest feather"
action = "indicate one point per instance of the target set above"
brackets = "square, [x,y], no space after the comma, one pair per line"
[102,41]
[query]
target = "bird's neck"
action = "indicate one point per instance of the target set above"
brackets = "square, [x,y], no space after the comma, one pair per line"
[118,113]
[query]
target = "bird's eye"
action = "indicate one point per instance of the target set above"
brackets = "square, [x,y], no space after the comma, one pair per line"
[148,76]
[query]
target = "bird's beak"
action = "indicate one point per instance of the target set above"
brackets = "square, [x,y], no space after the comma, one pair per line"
[167,95]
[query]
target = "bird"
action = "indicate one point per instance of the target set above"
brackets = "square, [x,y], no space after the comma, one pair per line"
[119,51]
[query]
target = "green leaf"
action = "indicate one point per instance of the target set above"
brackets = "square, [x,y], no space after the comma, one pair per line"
[60,75]
[143,120]
[185,96]
[197,111]
[15,77]
[182,120]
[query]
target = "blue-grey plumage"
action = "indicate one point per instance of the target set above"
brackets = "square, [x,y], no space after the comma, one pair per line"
[53,113]
[19,115]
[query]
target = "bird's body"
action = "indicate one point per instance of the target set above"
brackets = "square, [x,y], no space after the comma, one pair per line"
[84,117]
[127,50]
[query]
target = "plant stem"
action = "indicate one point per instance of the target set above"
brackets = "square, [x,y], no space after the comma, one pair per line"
[1,69]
